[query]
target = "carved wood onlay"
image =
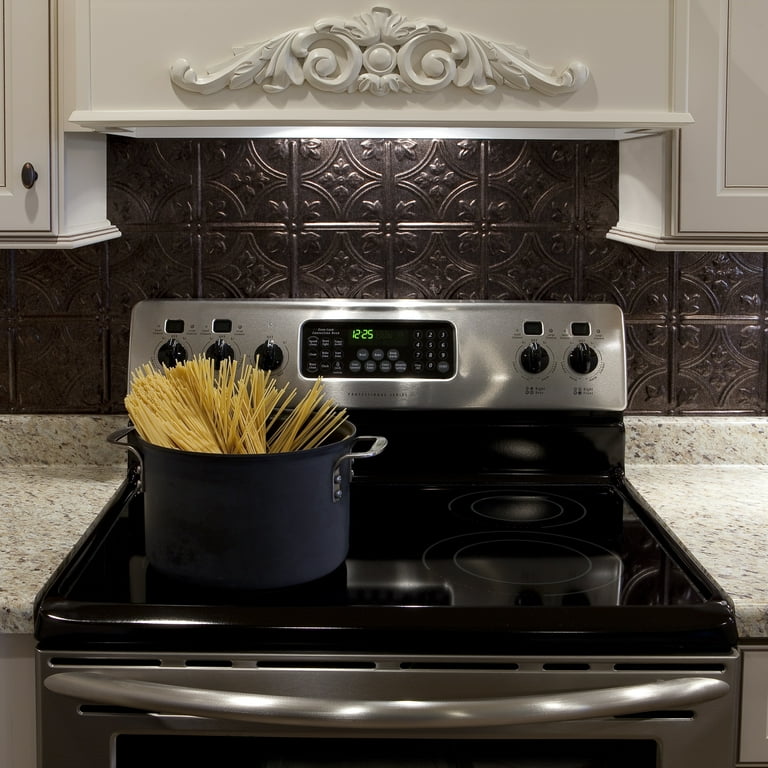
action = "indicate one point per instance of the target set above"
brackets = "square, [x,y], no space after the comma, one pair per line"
[381,52]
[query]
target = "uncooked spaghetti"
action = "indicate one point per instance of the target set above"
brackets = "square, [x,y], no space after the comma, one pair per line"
[234,409]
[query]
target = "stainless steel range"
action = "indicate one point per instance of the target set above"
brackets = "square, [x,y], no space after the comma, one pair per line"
[507,599]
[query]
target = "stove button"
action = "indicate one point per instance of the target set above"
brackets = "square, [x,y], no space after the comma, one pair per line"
[534,358]
[582,359]
[171,353]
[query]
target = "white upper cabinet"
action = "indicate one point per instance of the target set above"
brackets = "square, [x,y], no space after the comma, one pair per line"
[706,186]
[52,182]
[176,67]
[25,117]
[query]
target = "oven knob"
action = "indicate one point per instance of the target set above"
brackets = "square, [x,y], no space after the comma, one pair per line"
[219,351]
[171,353]
[583,359]
[534,358]
[269,355]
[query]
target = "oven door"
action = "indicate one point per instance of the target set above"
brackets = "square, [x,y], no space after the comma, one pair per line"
[305,711]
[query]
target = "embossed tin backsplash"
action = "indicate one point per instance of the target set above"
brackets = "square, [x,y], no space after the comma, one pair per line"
[450,219]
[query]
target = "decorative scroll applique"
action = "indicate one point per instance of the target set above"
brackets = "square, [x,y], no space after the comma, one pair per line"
[380,52]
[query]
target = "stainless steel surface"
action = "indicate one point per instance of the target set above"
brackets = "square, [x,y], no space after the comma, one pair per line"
[490,339]
[686,704]
[386,714]
[378,445]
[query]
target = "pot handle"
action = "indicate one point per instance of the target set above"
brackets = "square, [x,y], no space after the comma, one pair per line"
[114,439]
[378,445]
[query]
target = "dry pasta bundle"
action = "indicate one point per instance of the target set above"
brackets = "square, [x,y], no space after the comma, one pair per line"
[234,409]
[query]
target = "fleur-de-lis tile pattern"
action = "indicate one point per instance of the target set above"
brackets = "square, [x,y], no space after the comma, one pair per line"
[377,218]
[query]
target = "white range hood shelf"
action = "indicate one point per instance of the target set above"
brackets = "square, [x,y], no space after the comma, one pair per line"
[489,69]
[246,126]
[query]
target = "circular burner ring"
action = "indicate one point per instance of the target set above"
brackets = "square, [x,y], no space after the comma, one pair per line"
[463,555]
[453,546]
[520,507]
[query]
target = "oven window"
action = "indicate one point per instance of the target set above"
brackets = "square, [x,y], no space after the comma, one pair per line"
[137,751]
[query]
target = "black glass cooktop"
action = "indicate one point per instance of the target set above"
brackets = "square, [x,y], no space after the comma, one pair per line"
[499,568]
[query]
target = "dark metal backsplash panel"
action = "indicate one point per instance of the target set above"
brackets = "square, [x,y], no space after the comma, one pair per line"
[377,218]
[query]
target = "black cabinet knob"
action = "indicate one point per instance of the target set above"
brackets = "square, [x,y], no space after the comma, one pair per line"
[28,175]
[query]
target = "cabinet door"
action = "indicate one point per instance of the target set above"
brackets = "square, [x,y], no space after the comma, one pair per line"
[754,707]
[723,157]
[17,701]
[25,120]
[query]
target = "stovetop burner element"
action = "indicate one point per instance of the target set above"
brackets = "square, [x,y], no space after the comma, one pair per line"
[494,567]
[524,509]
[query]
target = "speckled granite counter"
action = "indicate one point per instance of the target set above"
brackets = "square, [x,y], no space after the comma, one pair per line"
[707,478]
[56,474]
[44,510]
[720,514]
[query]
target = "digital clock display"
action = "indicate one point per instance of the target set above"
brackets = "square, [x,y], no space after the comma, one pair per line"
[373,333]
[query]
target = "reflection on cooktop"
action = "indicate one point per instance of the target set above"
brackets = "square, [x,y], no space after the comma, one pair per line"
[520,508]
[496,567]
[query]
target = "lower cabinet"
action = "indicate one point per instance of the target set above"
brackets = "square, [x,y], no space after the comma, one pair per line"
[17,701]
[753,749]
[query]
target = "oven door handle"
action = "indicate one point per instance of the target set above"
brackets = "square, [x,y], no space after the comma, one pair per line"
[159,698]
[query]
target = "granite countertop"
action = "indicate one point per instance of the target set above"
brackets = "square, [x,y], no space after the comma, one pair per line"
[703,476]
[720,515]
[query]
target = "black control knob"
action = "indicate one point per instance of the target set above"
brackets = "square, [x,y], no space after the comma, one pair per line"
[534,358]
[171,353]
[219,351]
[582,359]
[269,356]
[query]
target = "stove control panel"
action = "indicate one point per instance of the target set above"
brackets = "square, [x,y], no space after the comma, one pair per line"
[404,353]
[375,348]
